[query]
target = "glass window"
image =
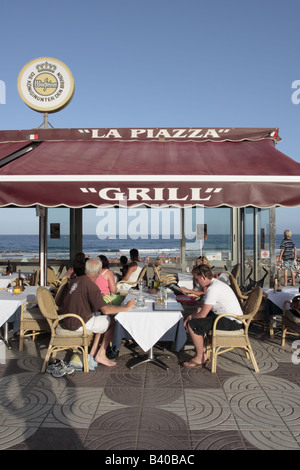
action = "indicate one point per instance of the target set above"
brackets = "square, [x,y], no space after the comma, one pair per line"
[208,232]
[257,245]
[58,233]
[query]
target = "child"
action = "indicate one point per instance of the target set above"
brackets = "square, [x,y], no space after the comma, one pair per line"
[124,268]
[288,255]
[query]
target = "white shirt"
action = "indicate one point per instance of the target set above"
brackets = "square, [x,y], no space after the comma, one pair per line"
[222,298]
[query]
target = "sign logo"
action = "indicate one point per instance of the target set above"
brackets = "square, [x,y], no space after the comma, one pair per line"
[46,85]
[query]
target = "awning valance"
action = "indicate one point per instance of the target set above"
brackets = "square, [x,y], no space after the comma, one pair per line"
[153,167]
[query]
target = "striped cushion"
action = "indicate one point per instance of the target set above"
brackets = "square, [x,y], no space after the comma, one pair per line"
[63,332]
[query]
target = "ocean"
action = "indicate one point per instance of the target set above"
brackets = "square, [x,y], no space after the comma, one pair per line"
[27,246]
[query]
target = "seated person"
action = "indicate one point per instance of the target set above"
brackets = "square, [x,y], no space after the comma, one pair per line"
[85,299]
[77,268]
[106,280]
[134,269]
[106,283]
[201,260]
[124,268]
[218,299]
[197,290]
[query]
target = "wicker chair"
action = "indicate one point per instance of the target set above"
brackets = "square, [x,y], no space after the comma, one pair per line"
[61,292]
[224,341]
[260,316]
[52,279]
[235,287]
[290,323]
[32,323]
[163,279]
[62,339]
[235,272]
[132,284]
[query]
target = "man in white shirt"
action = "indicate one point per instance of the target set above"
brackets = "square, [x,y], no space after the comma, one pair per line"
[218,299]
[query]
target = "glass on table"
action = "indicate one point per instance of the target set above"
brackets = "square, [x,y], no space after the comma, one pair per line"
[140,300]
[160,298]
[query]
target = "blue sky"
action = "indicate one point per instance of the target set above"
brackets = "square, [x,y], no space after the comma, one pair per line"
[164,63]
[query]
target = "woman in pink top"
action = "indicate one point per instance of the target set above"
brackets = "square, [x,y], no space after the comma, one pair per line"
[106,280]
[107,285]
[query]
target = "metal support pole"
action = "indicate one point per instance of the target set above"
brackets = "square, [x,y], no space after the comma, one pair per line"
[42,212]
[182,242]
[273,268]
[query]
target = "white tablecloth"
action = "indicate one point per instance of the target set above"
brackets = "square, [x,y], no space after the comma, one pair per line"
[9,304]
[145,325]
[4,281]
[278,298]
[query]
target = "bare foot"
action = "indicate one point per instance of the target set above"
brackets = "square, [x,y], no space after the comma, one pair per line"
[105,361]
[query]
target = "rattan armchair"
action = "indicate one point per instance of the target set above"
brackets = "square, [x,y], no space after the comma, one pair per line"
[290,323]
[62,339]
[132,284]
[52,279]
[61,292]
[235,287]
[260,316]
[32,323]
[163,279]
[224,341]
[235,272]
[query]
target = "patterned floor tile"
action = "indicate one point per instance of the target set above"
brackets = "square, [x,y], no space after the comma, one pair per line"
[75,408]
[120,440]
[218,440]
[169,440]
[53,439]
[149,408]
[208,409]
[271,440]
[14,435]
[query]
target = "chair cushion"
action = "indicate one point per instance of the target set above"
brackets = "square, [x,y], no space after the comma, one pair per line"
[292,317]
[63,332]
[230,333]
[33,312]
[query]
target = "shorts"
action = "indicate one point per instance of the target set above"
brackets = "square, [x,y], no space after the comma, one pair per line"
[114,299]
[201,326]
[289,264]
[97,324]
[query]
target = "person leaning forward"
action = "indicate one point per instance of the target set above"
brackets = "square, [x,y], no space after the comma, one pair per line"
[85,299]
[219,298]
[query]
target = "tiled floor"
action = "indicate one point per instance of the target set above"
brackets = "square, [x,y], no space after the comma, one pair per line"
[148,408]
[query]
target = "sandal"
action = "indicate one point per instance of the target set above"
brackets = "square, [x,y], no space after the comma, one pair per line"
[195,365]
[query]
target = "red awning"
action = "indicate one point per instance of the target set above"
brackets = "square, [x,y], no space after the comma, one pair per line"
[9,148]
[153,167]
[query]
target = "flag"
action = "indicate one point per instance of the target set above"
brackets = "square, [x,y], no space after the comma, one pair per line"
[32,137]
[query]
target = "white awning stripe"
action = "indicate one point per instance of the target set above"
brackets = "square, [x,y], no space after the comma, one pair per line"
[152,178]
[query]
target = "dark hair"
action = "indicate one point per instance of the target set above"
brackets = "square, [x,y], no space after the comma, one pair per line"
[79,264]
[123,259]
[203,270]
[105,262]
[134,253]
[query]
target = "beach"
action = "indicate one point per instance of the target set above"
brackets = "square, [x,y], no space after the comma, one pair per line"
[26,247]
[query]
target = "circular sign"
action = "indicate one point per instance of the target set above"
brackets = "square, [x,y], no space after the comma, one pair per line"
[46,85]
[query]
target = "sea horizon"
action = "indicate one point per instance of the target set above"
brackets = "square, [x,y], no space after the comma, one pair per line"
[20,247]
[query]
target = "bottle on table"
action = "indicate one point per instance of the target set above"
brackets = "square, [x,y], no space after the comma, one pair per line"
[19,281]
[275,283]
